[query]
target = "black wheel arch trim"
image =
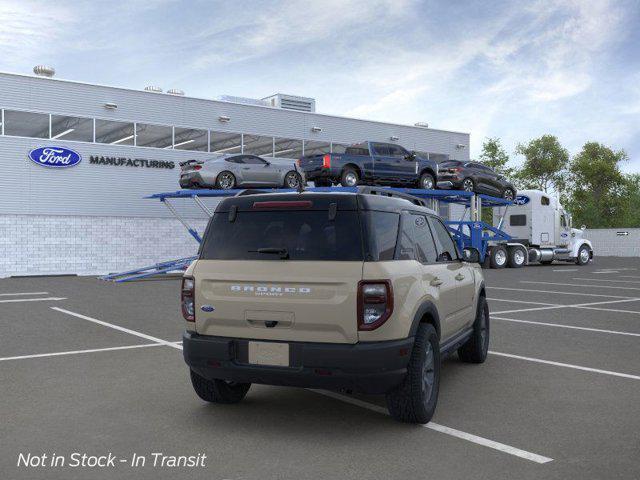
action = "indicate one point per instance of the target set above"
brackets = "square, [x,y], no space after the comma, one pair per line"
[429,308]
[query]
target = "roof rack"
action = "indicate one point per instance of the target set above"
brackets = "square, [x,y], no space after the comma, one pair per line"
[387,192]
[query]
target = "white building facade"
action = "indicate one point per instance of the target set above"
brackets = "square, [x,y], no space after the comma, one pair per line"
[92,218]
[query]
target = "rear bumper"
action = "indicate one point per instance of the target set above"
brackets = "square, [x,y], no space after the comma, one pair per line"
[449,184]
[373,367]
[189,180]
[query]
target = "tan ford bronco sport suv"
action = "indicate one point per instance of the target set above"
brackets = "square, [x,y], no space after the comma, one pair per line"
[362,292]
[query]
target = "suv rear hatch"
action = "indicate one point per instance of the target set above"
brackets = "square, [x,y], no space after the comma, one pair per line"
[281,267]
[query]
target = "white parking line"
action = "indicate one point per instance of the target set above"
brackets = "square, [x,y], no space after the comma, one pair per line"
[604,280]
[573,327]
[560,293]
[485,442]
[575,305]
[117,327]
[522,301]
[44,299]
[566,270]
[617,310]
[23,293]
[566,365]
[76,352]
[579,285]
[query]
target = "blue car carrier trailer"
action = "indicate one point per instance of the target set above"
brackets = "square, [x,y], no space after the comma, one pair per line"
[491,242]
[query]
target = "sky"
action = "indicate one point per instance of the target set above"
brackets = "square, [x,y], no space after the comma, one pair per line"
[514,70]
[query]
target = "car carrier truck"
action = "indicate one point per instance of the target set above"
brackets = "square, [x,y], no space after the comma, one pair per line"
[540,231]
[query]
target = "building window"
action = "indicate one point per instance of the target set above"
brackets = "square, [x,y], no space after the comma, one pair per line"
[287,148]
[225,142]
[258,145]
[26,124]
[312,147]
[190,139]
[157,136]
[114,133]
[71,128]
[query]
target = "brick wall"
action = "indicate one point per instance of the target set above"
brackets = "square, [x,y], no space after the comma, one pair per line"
[49,245]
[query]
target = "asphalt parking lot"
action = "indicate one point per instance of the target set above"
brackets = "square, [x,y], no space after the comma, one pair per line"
[96,367]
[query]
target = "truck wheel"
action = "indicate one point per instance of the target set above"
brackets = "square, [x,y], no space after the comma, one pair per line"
[476,348]
[415,399]
[498,257]
[349,177]
[218,391]
[517,257]
[583,255]
[427,182]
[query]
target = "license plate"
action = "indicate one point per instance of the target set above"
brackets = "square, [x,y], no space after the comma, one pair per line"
[269,353]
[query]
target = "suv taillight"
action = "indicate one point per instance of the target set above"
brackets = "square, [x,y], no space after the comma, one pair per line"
[197,167]
[326,161]
[186,299]
[375,303]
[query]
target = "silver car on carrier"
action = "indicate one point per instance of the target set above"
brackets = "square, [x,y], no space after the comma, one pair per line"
[240,170]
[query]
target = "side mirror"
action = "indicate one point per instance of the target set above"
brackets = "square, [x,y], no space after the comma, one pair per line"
[410,156]
[471,255]
[583,227]
[267,163]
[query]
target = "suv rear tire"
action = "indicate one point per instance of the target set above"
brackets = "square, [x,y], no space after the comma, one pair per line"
[415,399]
[427,181]
[476,348]
[349,177]
[218,391]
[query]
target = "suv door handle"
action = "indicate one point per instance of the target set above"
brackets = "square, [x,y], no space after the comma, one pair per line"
[246,168]
[436,282]
[459,277]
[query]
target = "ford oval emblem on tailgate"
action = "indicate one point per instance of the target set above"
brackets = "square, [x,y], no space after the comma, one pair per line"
[207,308]
[56,157]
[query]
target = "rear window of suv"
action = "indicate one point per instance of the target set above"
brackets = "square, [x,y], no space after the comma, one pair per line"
[305,234]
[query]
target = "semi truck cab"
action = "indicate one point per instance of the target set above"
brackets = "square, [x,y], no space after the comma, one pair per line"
[540,223]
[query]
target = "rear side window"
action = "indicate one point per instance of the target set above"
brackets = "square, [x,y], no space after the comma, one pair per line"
[383,234]
[305,234]
[446,247]
[357,151]
[416,241]
[517,220]
[380,149]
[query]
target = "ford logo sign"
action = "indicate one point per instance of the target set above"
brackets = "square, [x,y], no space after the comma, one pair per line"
[56,157]
[207,308]
[521,200]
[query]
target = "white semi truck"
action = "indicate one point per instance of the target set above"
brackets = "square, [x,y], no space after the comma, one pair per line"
[541,232]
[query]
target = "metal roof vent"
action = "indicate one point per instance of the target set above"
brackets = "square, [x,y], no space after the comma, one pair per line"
[153,88]
[176,91]
[44,71]
[292,102]
[422,124]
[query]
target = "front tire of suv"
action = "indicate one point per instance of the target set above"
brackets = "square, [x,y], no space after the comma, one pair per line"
[218,391]
[468,185]
[508,194]
[415,399]
[476,348]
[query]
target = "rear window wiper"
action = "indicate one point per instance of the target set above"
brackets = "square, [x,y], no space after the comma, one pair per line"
[283,252]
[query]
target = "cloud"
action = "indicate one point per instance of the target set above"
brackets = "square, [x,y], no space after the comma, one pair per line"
[31,28]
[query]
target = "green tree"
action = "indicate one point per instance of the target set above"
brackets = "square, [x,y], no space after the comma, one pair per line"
[599,192]
[545,164]
[495,156]
[631,216]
